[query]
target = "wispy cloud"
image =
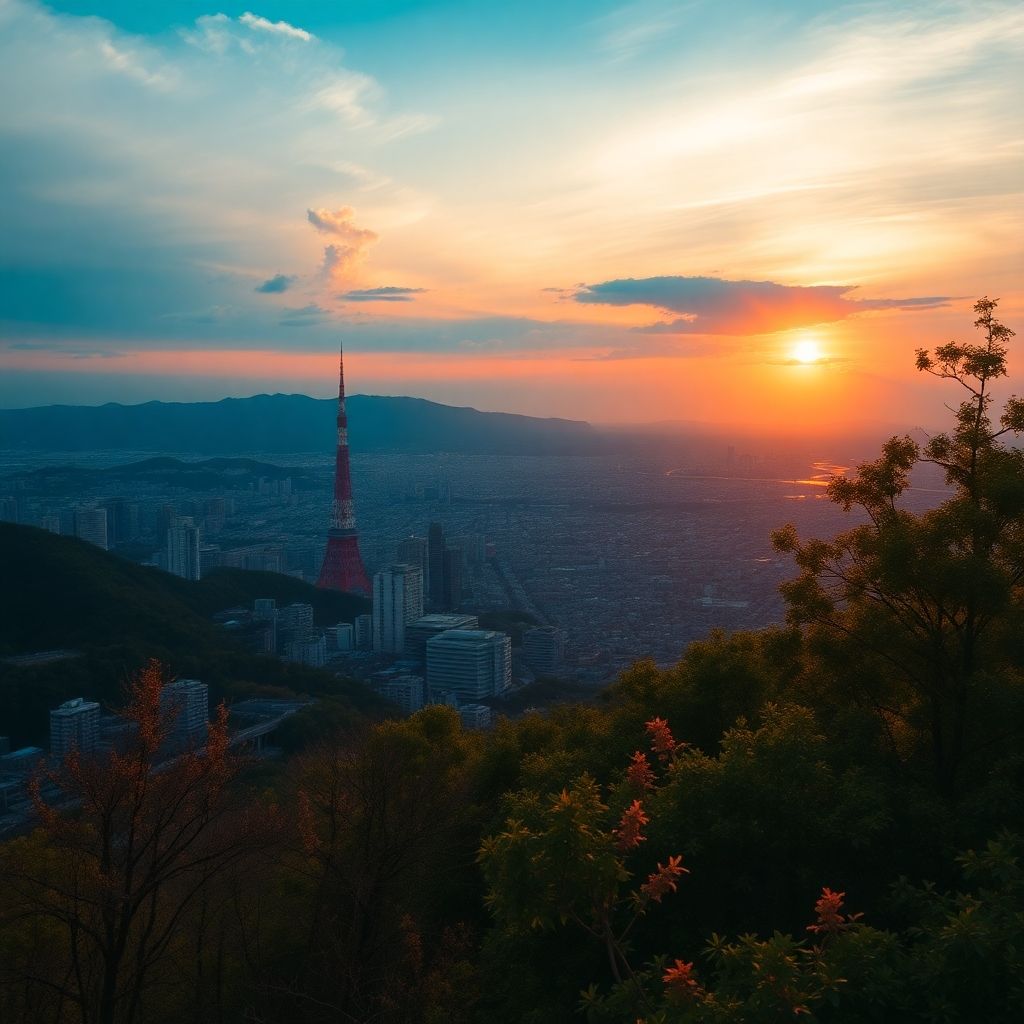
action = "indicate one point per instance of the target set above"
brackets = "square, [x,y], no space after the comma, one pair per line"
[630,30]
[304,316]
[385,293]
[220,33]
[281,28]
[130,63]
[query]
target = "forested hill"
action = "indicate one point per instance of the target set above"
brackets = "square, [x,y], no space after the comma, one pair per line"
[63,593]
[289,423]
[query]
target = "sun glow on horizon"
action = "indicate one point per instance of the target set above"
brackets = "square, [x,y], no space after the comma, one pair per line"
[807,352]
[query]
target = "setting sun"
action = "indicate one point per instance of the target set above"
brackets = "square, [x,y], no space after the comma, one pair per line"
[807,352]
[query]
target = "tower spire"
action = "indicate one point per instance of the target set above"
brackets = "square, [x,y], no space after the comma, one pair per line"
[343,567]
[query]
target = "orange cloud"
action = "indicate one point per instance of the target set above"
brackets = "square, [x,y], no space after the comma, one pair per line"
[342,256]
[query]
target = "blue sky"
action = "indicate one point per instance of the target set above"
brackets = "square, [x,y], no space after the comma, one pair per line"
[595,200]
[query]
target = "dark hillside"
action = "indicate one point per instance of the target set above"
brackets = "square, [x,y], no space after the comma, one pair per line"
[62,593]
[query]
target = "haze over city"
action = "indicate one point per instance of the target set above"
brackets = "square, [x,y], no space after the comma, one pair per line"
[739,214]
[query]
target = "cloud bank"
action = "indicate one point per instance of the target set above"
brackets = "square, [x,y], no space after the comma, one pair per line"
[712,305]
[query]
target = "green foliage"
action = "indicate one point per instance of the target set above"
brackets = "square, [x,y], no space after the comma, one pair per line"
[361,918]
[765,820]
[924,610]
[555,861]
[957,958]
[723,678]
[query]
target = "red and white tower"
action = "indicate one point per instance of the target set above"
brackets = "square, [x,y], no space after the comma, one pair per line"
[343,567]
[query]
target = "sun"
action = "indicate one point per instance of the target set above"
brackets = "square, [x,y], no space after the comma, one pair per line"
[807,352]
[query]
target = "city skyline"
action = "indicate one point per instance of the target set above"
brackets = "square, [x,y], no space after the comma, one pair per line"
[614,212]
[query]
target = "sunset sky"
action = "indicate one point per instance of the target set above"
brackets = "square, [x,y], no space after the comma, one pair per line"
[716,212]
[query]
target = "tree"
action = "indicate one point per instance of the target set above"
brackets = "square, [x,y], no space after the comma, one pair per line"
[383,850]
[918,613]
[568,859]
[115,869]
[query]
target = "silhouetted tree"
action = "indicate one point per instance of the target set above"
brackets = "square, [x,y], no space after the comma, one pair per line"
[385,834]
[919,614]
[108,883]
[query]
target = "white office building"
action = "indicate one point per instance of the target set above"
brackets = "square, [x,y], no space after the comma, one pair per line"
[397,601]
[75,725]
[419,632]
[471,663]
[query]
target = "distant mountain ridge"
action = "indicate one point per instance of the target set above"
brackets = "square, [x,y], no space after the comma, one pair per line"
[289,423]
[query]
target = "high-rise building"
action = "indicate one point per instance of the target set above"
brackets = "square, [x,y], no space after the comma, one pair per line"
[342,567]
[435,566]
[91,525]
[183,549]
[543,649]
[122,520]
[471,663]
[340,637]
[452,588]
[165,517]
[51,522]
[363,630]
[74,726]
[8,510]
[419,632]
[186,703]
[397,601]
[413,551]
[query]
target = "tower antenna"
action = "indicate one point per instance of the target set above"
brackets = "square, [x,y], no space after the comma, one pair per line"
[343,567]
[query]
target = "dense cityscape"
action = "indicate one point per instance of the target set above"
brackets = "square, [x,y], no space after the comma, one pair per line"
[626,557]
[599,561]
